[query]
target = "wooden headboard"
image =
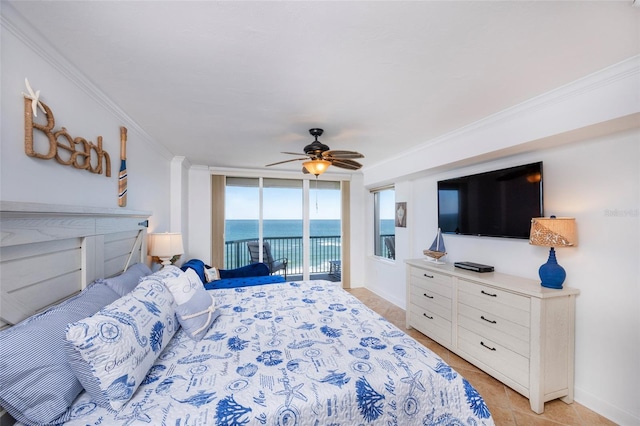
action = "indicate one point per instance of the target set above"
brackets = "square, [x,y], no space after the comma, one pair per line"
[50,252]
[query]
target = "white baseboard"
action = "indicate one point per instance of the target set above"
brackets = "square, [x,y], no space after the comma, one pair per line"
[389,297]
[605,409]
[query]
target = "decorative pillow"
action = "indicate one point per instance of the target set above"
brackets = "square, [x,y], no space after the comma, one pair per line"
[212,274]
[198,266]
[198,314]
[129,279]
[196,308]
[37,384]
[184,286]
[167,271]
[112,351]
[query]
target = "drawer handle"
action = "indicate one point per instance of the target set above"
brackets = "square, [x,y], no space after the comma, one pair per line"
[491,321]
[488,294]
[427,296]
[488,347]
[428,276]
[427,316]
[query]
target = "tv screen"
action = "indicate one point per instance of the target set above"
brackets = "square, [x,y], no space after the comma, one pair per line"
[498,203]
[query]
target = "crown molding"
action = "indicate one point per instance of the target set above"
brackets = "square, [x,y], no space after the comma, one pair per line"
[17,25]
[608,76]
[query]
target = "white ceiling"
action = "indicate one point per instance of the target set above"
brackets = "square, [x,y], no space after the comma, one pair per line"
[233,84]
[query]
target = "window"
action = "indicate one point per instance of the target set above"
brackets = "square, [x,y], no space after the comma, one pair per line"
[384,222]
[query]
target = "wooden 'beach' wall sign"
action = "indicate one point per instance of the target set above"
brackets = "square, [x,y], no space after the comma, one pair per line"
[77,152]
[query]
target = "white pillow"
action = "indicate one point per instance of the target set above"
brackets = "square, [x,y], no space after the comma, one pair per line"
[196,307]
[111,351]
[198,314]
[212,274]
[184,286]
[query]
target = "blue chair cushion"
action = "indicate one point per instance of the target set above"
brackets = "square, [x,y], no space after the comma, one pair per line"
[244,282]
[252,270]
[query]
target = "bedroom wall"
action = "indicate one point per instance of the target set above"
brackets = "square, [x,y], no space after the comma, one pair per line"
[85,112]
[592,173]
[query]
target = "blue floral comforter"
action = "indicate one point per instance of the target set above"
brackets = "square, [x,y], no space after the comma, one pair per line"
[298,353]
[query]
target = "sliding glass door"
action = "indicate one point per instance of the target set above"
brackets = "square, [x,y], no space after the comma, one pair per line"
[298,219]
[241,219]
[325,228]
[282,203]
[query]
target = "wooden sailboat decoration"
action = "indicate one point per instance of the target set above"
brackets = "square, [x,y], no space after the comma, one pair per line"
[437,249]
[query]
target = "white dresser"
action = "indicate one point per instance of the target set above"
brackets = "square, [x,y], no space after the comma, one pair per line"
[511,327]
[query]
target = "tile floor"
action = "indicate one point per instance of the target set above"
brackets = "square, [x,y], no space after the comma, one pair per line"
[507,406]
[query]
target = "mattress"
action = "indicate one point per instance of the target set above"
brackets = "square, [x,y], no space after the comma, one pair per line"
[297,353]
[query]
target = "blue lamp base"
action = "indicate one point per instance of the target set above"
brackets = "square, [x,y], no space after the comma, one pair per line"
[551,274]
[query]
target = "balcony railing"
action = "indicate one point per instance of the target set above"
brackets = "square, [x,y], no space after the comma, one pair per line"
[322,250]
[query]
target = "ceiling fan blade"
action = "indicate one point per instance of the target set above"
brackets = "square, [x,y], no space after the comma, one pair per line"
[304,170]
[294,153]
[342,154]
[346,164]
[287,161]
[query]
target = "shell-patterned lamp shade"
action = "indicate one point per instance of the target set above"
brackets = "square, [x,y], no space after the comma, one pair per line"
[553,232]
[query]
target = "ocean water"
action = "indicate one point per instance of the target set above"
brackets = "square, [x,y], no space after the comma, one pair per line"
[246,229]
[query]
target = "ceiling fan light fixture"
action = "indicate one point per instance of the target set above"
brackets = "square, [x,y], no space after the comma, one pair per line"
[316,167]
[319,157]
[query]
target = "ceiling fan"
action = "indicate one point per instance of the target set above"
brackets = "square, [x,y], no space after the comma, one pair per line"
[319,157]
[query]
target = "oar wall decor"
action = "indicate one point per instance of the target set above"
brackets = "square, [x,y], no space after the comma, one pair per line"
[122,176]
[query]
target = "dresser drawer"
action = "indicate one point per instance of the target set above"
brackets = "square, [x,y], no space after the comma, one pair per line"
[506,333]
[507,362]
[430,294]
[511,307]
[431,324]
[436,304]
[418,274]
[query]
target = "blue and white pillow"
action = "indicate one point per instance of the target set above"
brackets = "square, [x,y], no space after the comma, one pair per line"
[196,307]
[184,286]
[111,352]
[37,385]
[167,271]
[129,279]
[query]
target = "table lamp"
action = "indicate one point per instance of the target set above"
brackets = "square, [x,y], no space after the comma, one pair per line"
[165,246]
[553,232]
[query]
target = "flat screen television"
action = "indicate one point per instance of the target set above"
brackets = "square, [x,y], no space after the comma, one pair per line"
[498,203]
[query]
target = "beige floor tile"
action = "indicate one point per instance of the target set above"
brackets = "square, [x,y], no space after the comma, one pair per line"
[591,418]
[532,419]
[502,416]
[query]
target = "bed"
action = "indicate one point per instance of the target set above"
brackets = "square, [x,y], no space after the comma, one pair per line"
[305,353]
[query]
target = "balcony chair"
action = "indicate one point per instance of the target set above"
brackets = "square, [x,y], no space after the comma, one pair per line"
[390,242]
[273,264]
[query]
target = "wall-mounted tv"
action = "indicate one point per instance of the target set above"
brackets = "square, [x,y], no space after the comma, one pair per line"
[498,203]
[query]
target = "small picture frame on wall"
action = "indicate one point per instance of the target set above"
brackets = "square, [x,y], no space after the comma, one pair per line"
[401,215]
